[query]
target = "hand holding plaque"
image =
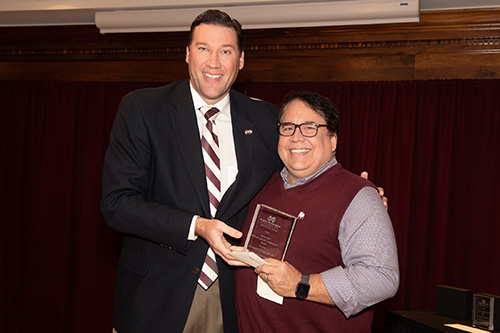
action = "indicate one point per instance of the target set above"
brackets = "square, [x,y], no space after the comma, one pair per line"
[268,236]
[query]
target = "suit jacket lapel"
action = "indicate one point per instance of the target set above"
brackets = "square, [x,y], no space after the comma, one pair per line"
[187,134]
[188,137]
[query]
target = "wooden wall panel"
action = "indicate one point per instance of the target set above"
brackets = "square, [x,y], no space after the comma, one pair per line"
[100,71]
[332,67]
[457,66]
[443,45]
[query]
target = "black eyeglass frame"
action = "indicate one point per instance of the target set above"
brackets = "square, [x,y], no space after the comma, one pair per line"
[300,128]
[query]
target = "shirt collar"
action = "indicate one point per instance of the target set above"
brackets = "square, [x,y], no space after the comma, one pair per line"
[284,174]
[222,105]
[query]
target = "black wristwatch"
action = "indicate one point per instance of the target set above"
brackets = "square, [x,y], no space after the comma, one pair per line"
[303,287]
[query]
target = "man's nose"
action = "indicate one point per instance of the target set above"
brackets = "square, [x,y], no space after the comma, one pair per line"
[213,60]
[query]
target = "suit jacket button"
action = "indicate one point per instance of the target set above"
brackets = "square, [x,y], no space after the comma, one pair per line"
[196,270]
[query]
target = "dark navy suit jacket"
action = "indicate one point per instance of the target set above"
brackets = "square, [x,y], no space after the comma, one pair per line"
[153,184]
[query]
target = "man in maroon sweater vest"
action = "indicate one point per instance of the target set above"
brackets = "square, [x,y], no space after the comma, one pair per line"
[342,256]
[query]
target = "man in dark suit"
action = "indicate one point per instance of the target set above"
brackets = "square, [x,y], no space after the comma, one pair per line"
[155,188]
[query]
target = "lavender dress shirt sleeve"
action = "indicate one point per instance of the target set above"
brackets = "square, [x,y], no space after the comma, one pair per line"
[369,253]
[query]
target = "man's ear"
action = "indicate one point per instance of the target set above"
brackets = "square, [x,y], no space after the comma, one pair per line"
[242,60]
[333,142]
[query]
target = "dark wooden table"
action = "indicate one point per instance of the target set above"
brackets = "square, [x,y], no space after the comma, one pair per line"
[420,322]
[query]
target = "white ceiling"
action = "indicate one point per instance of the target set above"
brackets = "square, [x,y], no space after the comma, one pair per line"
[77,12]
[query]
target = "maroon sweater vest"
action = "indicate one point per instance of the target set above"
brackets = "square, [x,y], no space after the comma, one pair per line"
[314,248]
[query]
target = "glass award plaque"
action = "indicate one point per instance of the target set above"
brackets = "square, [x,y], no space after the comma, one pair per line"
[483,307]
[268,236]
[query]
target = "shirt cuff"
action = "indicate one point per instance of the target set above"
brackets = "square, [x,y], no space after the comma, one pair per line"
[338,288]
[191,235]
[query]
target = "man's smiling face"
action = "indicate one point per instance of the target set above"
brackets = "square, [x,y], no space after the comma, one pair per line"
[214,60]
[303,156]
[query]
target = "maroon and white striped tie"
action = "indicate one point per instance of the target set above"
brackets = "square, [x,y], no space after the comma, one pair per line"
[210,145]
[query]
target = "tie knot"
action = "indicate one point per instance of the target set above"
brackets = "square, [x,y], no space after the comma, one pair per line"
[211,114]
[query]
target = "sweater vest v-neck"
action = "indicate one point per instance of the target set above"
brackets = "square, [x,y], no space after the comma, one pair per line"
[313,248]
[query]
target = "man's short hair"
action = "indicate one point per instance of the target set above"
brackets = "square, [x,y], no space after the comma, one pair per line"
[220,18]
[319,103]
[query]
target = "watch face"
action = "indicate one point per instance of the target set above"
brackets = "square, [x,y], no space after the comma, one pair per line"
[302,290]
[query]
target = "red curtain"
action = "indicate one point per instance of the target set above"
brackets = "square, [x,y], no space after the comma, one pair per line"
[432,145]
[58,257]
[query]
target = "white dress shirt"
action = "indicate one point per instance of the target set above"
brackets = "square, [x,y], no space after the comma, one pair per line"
[228,162]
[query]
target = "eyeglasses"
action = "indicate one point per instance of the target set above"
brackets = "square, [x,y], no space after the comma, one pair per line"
[308,130]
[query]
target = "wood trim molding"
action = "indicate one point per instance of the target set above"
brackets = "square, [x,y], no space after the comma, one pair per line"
[474,44]
[463,34]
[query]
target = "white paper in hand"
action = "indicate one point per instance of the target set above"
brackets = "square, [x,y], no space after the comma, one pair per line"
[249,258]
[264,291]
